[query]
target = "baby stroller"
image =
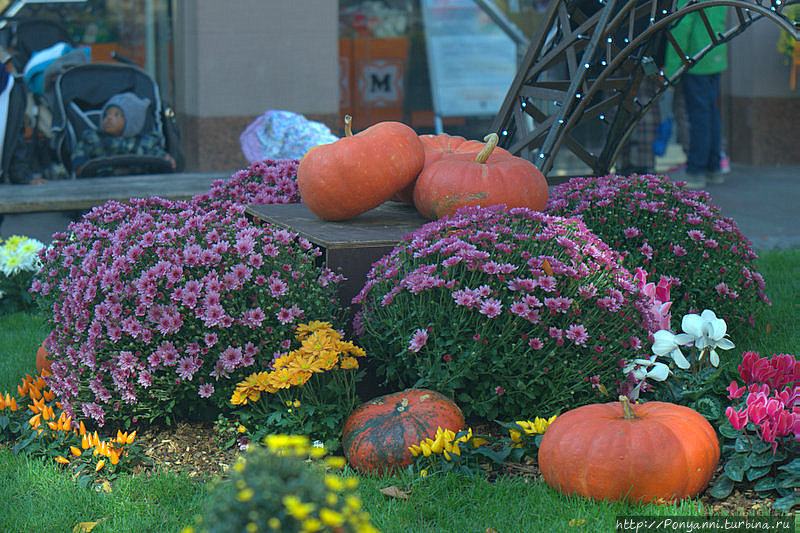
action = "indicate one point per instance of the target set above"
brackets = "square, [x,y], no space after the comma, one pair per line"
[25,39]
[80,93]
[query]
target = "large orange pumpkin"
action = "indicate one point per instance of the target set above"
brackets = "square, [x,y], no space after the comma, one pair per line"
[617,450]
[443,145]
[356,173]
[378,433]
[465,179]
[42,362]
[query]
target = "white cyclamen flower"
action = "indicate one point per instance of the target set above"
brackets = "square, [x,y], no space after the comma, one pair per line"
[639,367]
[667,344]
[708,331]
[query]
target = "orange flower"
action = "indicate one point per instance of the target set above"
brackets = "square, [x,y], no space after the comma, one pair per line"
[35,420]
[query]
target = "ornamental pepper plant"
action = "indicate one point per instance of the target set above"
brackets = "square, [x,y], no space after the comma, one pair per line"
[503,309]
[674,232]
[159,308]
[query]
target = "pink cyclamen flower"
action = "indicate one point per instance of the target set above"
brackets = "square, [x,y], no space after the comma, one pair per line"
[738,419]
[735,391]
[499,390]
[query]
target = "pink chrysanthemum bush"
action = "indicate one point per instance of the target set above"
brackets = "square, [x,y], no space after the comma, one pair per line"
[503,310]
[671,232]
[271,181]
[159,308]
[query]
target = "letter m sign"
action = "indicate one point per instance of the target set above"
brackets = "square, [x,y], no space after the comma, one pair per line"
[380,82]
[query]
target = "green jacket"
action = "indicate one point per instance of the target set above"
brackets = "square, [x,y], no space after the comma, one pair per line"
[692,36]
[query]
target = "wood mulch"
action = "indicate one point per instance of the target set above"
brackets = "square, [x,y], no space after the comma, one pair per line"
[196,450]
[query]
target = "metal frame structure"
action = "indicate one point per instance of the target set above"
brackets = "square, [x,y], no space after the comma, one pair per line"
[578,84]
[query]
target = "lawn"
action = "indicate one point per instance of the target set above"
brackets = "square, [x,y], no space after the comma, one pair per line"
[41,496]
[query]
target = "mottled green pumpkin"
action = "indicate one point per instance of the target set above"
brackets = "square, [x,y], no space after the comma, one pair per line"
[378,433]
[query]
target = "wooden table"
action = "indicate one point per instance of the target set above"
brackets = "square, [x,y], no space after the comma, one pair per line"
[350,245]
[65,195]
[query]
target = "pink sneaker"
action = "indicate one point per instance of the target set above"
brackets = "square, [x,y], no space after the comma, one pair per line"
[724,164]
[677,170]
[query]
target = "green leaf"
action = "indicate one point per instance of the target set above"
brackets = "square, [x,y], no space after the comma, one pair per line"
[793,467]
[787,481]
[735,467]
[785,504]
[757,473]
[709,407]
[762,459]
[743,444]
[764,484]
[722,487]
[727,430]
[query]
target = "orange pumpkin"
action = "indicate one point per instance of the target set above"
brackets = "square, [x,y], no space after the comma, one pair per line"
[42,362]
[465,179]
[377,435]
[616,450]
[356,173]
[443,145]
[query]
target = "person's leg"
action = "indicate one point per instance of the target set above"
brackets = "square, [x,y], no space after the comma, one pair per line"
[695,91]
[715,149]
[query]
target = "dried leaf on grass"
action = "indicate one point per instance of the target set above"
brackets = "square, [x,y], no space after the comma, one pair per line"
[394,492]
[85,527]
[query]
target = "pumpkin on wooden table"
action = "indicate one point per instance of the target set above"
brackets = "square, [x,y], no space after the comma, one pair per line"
[616,450]
[378,433]
[443,145]
[356,173]
[485,179]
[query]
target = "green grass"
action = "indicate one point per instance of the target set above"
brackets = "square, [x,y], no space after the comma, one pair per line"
[45,498]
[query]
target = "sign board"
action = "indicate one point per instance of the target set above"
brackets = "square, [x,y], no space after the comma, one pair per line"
[471,61]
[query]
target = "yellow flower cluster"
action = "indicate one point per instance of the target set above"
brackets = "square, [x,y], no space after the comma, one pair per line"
[322,349]
[537,426]
[445,443]
[311,516]
[44,417]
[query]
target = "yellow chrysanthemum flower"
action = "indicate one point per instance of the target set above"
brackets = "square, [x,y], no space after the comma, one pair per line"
[348,363]
[304,330]
[296,508]
[331,518]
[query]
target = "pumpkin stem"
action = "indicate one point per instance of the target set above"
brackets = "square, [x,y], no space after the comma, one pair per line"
[491,143]
[348,128]
[627,409]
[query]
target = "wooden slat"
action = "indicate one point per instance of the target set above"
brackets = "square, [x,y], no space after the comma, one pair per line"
[65,195]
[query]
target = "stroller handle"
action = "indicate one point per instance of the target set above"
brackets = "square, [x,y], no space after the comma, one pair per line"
[122,59]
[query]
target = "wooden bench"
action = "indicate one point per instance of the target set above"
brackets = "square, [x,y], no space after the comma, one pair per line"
[65,195]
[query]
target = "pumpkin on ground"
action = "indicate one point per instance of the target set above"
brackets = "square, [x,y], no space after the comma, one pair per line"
[42,362]
[443,145]
[485,179]
[378,433]
[356,173]
[617,450]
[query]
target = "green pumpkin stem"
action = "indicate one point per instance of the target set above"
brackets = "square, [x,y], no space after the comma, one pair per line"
[627,409]
[491,141]
[348,128]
